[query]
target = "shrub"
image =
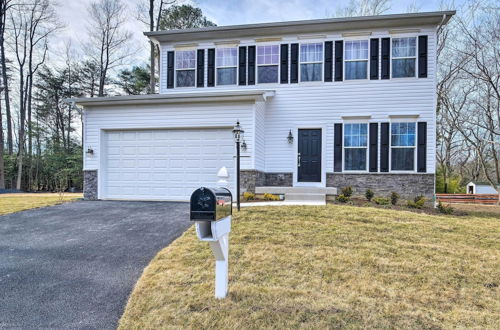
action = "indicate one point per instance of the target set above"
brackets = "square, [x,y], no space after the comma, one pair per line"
[342,198]
[369,194]
[347,191]
[417,203]
[381,201]
[248,196]
[271,197]
[394,198]
[445,209]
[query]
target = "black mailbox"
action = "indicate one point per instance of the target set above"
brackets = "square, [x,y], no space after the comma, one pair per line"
[211,204]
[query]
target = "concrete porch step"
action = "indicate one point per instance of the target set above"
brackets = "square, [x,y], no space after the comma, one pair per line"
[296,190]
[292,197]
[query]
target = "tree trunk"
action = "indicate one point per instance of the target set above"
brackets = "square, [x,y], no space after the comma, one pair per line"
[2,164]
[5,80]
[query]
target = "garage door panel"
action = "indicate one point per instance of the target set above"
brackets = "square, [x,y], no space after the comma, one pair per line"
[164,164]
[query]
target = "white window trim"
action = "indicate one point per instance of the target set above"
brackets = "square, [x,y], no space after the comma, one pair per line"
[414,148]
[344,61]
[227,66]
[322,62]
[259,65]
[185,69]
[367,145]
[404,57]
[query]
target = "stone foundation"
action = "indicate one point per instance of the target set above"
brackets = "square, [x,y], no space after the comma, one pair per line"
[250,179]
[90,185]
[279,179]
[406,185]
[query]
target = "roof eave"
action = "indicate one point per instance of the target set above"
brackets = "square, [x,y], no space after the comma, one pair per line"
[304,26]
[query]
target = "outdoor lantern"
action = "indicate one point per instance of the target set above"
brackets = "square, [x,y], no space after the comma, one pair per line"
[290,137]
[90,151]
[238,132]
[244,145]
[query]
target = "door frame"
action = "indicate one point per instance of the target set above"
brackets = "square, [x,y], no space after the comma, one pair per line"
[295,131]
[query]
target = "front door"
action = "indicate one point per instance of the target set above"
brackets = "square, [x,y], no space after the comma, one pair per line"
[309,155]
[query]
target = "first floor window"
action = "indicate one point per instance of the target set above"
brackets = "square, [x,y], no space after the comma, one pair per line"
[185,62]
[356,59]
[355,147]
[311,62]
[404,57]
[267,64]
[403,146]
[226,60]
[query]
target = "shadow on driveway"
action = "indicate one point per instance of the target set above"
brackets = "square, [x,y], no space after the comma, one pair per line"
[74,265]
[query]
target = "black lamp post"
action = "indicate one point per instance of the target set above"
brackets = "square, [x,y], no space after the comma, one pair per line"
[238,132]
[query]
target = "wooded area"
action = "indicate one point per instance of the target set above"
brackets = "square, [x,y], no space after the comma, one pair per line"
[41,137]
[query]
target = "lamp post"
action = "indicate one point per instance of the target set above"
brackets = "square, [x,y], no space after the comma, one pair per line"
[238,132]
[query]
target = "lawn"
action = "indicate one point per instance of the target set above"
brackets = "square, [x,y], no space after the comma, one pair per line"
[329,267]
[10,203]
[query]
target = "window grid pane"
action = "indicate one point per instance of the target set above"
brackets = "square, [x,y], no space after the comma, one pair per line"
[403,134]
[404,47]
[356,50]
[226,57]
[268,55]
[185,59]
[310,53]
[355,135]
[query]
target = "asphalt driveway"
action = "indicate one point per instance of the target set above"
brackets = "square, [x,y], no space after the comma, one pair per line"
[74,265]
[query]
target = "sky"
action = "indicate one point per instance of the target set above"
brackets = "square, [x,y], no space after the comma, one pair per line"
[73,14]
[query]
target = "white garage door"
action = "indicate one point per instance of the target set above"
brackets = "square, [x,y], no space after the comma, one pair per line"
[164,164]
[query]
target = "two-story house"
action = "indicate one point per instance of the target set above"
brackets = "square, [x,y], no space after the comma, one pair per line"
[324,104]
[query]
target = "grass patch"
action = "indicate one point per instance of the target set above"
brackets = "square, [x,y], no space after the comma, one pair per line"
[329,267]
[10,203]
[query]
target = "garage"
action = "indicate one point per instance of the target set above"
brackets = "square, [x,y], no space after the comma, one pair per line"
[163,164]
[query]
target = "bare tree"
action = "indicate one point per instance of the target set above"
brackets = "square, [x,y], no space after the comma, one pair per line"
[108,41]
[5,6]
[363,8]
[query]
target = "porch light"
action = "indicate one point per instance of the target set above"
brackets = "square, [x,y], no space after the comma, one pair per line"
[290,137]
[238,132]
[243,145]
[90,151]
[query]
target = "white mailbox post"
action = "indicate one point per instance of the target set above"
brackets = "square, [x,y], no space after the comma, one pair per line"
[211,209]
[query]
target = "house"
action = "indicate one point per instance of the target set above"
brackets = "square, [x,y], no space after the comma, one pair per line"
[324,104]
[481,188]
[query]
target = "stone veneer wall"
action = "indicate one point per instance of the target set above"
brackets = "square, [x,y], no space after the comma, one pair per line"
[250,179]
[90,185]
[406,185]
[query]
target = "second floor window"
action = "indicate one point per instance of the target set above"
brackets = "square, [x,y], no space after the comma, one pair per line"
[185,63]
[356,59]
[267,64]
[311,62]
[226,61]
[404,57]
[403,146]
[355,147]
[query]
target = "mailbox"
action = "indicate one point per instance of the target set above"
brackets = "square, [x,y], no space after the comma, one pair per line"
[211,209]
[211,204]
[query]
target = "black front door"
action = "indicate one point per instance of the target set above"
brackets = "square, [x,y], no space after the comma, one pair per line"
[309,155]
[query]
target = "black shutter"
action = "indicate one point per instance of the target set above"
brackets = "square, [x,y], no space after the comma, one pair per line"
[422,56]
[242,66]
[337,148]
[251,65]
[328,60]
[373,147]
[384,147]
[170,69]
[339,54]
[284,64]
[386,58]
[374,59]
[422,147]
[200,68]
[294,64]
[211,67]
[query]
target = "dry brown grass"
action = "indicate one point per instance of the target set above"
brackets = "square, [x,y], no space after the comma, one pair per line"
[478,209]
[329,267]
[10,203]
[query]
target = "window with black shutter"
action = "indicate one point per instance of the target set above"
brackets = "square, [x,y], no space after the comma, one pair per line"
[294,63]
[337,148]
[284,64]
[422,147]
[170,69]
[328,60]
[242,66]
[373,147]
[384,147]
[211,67]
[422,56]
[339,50]
[386,58]
[251,65]
[374,59]
[200,68]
